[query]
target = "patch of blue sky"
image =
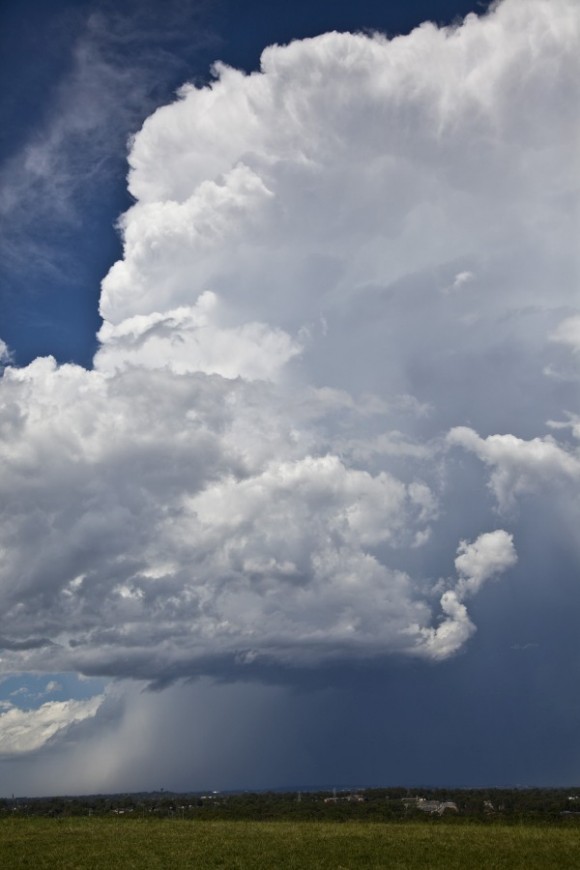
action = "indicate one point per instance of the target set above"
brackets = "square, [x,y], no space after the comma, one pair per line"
[30,691]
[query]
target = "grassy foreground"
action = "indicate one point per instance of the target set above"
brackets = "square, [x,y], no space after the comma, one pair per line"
[123,843]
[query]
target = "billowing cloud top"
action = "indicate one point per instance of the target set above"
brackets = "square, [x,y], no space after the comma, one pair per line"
[336,271]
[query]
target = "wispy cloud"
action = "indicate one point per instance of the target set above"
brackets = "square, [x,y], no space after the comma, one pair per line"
[122,61]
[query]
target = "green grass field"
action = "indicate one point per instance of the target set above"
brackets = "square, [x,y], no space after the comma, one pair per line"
[115,843]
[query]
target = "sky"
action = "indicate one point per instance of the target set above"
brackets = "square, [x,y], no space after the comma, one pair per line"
[289,342]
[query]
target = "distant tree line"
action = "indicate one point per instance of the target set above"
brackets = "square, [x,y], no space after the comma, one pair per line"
[378,804]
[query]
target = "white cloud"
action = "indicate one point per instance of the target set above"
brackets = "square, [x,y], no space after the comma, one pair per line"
[5,355]
[459,281]
[190,339]
[53,686]
[453,631]
[568,333]
[488,556]
[330,196]
[23,731]
[572,423]
[381,181]
[519,466]
[180,514]
[491,554]
[249,474]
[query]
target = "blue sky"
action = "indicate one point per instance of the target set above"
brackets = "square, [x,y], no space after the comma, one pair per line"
[289,408]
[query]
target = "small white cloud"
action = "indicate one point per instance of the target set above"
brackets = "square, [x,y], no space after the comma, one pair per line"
[5,354]
[53,686]
[519,466]
[568,333]
[491,554]
[451,634]
[572,423]
[460,280]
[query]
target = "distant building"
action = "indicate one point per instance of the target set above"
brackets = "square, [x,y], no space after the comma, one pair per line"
[433,807]
[355,798]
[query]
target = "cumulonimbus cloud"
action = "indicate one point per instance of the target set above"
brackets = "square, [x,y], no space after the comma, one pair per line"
[252,465]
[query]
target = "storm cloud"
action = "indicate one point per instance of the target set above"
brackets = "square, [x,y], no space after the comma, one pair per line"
[349,286]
